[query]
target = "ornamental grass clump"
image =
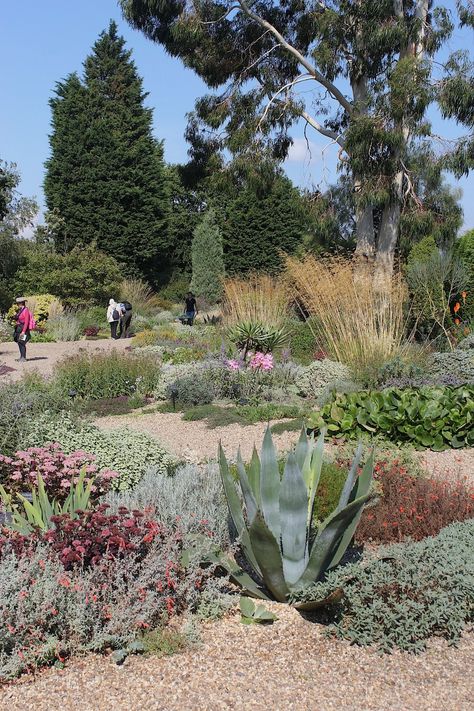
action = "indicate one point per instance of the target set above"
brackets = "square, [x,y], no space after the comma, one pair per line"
[350,320]
[273,517]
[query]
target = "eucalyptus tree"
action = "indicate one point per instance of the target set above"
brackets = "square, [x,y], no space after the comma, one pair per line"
[361,73]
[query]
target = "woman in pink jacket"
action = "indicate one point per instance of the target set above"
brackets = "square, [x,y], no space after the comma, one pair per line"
[24,319]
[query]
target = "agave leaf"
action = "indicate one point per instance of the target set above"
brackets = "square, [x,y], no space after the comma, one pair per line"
[235,509]
[293,516]
[360,488]
[250,503]
[253,475]
[238,575]
[327,541]
[268,555]
[33,513]
[351,479]
[314,474]
[331,599]
[302,447]
[44,502]
[270,485]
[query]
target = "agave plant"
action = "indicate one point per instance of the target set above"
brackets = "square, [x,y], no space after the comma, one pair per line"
[27,516]
[255,336]
[273,517]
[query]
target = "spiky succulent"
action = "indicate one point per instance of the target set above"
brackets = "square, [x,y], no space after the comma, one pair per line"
[273,517]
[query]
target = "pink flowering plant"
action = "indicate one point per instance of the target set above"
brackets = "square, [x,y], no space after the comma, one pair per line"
[261,361]
[58,470]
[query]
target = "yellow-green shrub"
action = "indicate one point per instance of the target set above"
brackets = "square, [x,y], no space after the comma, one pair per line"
[42,307]
[145,338]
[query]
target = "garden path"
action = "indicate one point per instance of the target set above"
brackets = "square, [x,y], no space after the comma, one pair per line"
[42,357]
[195,442]
[289,665]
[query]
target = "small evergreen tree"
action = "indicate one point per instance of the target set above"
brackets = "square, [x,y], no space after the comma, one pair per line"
[208,259]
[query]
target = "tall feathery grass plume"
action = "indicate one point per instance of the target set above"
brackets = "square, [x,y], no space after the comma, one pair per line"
[352,321]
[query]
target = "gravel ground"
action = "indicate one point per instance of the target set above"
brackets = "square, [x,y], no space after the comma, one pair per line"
[288,665]
[194,441]
[43,356]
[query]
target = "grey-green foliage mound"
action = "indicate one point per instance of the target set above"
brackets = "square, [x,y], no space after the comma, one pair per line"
[411,593]
[125,451]
[458,363]
[319,374]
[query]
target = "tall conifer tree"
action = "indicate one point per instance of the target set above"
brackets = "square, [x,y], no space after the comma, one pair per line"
[106,176]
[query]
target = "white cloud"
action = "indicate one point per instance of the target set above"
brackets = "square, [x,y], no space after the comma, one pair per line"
[303,151]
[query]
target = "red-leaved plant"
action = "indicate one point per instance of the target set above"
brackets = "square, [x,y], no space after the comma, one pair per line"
[57,469]
[413,507]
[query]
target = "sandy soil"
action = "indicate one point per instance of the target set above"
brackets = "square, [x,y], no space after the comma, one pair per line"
[42,357]
[288,665]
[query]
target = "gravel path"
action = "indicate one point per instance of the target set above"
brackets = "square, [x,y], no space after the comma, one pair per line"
[288,665]
[43,356]
[194,441]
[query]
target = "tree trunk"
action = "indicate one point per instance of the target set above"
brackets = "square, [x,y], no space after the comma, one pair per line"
[388,237]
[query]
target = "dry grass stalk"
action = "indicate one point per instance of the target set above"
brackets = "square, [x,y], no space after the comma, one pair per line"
[350,320]
[138,293]
[256,298]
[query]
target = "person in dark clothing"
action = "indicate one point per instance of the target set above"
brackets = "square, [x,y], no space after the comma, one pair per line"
[190,308]
[125,309]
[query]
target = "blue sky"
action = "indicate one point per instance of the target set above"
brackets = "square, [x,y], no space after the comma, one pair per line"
[42,42]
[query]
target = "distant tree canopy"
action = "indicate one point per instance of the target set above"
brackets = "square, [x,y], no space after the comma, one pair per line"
[105,177]
[367,73]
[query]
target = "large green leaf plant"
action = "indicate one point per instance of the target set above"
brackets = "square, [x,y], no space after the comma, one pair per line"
[273,516]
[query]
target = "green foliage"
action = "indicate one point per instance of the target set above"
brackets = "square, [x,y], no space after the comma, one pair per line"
[255,336]
[81,277]
[302,343]
[164,642]
[207,259]
[106,375]
[190,390]
[105,176]
[320,374]
[275,527]
[41,305]
[122,450]
[464,250]
[251,614]
[410,593]
[27,517]
[176,288]
[422,250]
[64,327]
[458,363]
[432,417]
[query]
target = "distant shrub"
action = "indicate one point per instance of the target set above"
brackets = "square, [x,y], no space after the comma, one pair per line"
[105,375]
[122,450]
[458,363]
[176,289]
[64,327]
[411,593]
[144,338]
[190,390]
[319,374]
[5,332]
[42,306]
[467,344]
[91,331]
[302,343]
[413,507]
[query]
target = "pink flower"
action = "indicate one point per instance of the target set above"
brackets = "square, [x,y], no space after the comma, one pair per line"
[261,361]
[233,364]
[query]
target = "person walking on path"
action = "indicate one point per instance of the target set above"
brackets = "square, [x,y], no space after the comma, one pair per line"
[190,308]
[113,317]
[24,322]
[125,309]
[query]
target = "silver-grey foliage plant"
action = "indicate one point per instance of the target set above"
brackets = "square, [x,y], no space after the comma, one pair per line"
[273,516]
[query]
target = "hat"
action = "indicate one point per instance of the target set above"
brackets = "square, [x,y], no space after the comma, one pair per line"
[21,299]
[112,302]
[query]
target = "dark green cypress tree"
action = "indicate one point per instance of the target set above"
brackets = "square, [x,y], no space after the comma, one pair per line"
[260,224]
[106,175]
[207,259]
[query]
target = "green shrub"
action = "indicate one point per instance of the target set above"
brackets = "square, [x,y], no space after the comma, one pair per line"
[182,354]
[144,338]
[64,327]
[191,390]
[302,342]
[458,363]
[467,344]
[319,374]
[269,411]
[411,593]
[122,450]
[106,375]
[41,306]
[426,417]
[20,403]
[176,289]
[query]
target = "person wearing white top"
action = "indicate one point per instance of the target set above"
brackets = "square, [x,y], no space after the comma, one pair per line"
[113,316]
